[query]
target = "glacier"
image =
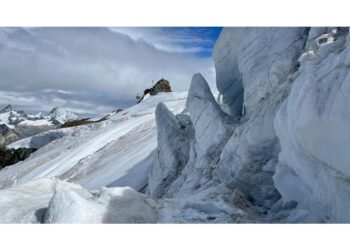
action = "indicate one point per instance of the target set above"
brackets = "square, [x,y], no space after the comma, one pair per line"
[114,152]
[271,146]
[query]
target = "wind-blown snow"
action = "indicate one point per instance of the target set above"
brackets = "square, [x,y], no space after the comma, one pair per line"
[108,153]
[272,148]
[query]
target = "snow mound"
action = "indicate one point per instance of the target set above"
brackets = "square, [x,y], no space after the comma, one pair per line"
[27,203]
[55,201]
[113,205]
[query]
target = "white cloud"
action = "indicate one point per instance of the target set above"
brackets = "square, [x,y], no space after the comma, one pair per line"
[178,40]
[93,69]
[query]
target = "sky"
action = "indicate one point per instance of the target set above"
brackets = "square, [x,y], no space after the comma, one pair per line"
[96,70]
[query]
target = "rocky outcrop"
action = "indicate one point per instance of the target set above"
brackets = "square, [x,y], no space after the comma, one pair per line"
[8,135]
[161,86]
[12,156]
[8,108]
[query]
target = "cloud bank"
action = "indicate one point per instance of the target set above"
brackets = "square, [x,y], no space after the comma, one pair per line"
[93,70]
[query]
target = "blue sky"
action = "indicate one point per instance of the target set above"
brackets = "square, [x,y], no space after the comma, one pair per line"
[192,40]
[202,38]
[98,69]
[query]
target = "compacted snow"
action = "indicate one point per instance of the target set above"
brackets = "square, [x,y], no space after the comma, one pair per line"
[273,147]
[115,152]
[55,201]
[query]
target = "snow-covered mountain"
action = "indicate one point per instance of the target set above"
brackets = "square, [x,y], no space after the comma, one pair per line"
[62,115]
[15,125]
[12,118]
[273,147]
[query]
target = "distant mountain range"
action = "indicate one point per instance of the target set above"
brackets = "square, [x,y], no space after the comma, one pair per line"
[16,124]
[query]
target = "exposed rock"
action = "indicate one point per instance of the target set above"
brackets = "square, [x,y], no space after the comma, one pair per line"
[8,135]
[161,86]
[15,125]
[75,123]
[115,152]
[8,108]
[274,148]
[4,129]
[12,156]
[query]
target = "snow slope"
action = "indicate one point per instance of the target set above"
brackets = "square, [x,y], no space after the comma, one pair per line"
[115,152]
[272,148]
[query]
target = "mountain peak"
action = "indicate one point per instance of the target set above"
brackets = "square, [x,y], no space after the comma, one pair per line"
[8,108]
[62,115]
